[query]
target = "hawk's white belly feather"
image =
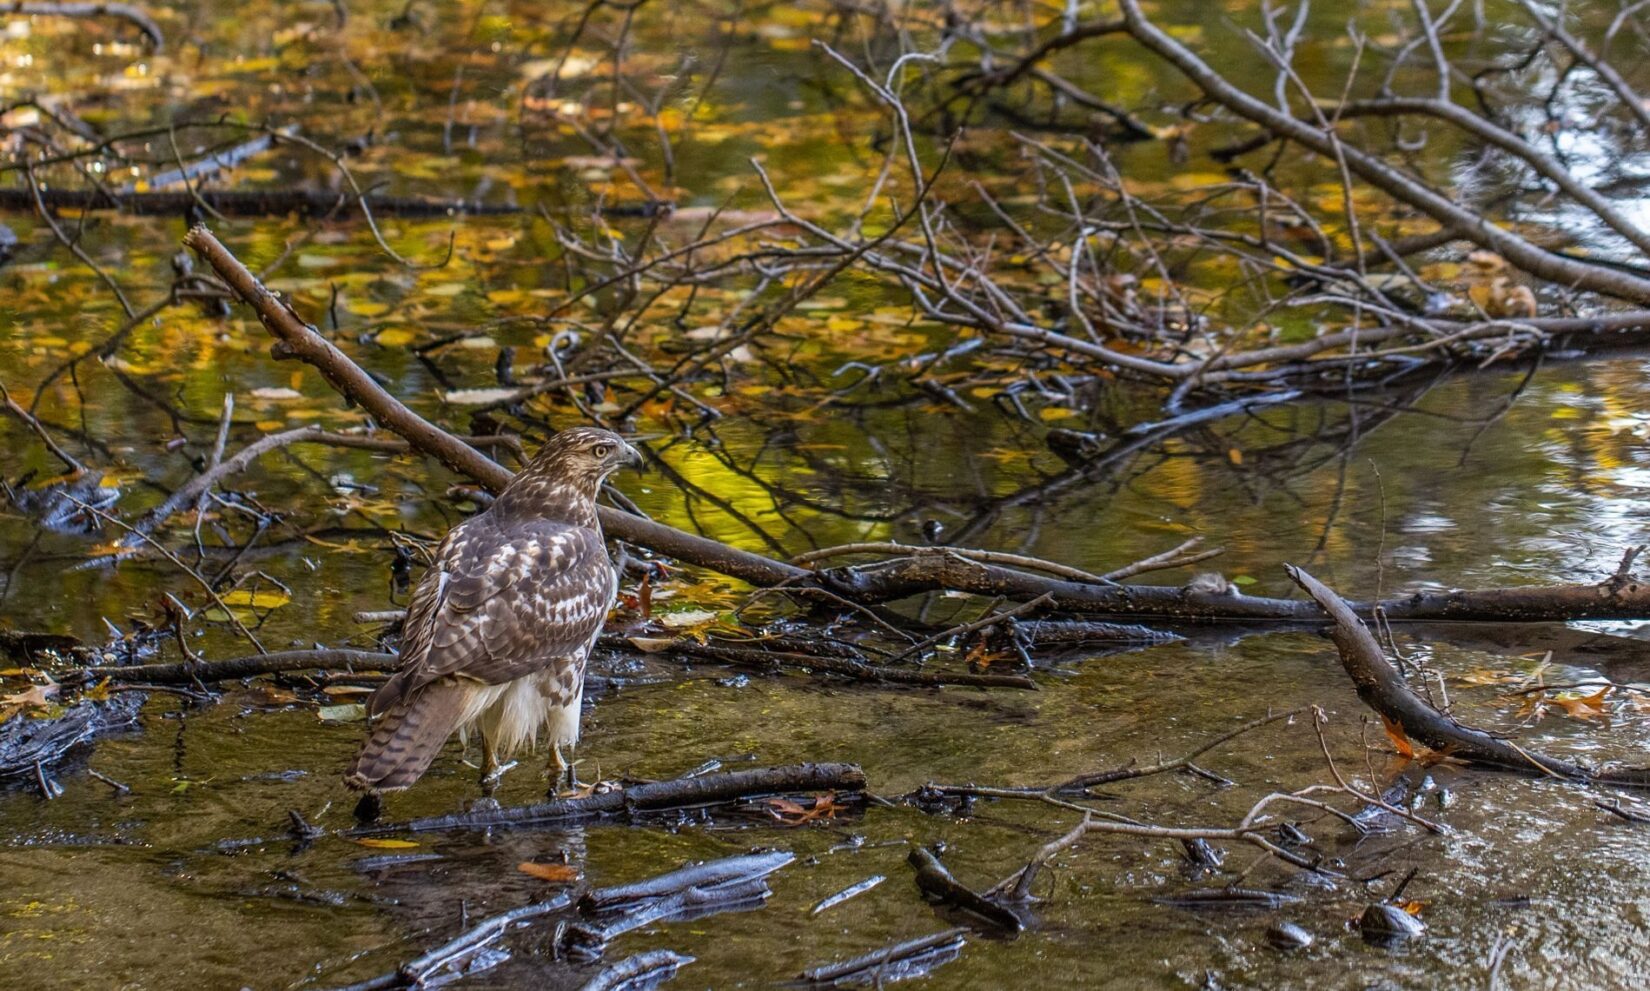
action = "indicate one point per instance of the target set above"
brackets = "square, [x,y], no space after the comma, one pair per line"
[517,713]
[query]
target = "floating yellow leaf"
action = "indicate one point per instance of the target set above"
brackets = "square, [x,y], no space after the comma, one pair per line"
[261,599]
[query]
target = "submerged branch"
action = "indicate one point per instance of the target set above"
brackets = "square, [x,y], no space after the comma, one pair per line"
[655,796]
[1383,689]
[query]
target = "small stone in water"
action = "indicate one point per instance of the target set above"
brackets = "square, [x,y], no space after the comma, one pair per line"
[1288,936]
[1383,924]
[1292,834]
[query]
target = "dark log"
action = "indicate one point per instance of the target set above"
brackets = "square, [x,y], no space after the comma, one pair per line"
[934,569]
[656,796]
[190,672]
[1229,898]
[858,670]
[1382,687]
[1074,633]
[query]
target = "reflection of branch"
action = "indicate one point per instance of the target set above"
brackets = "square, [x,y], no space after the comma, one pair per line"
[10,406]
[123,11]
[1371,169]
[186,569]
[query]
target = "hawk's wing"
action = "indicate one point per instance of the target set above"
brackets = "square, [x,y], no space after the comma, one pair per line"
[499,603]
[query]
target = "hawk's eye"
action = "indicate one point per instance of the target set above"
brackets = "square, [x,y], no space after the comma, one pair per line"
[602,450]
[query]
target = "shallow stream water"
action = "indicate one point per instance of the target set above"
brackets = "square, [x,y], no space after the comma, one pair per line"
[1449,484]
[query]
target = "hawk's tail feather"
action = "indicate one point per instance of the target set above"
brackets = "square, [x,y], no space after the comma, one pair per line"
[407,738]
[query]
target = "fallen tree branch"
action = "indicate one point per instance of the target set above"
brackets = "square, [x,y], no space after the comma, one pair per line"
[932,569]
[858,670]
[908,958]
[644,970]
[655,796]
[1382,688]
[296,339]
[204,672]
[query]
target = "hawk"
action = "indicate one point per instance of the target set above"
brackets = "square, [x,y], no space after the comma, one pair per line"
[500,626]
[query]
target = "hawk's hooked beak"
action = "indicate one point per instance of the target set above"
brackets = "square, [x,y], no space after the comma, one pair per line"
[633,458]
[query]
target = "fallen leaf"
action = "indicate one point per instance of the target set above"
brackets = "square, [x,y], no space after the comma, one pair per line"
[687,618]
[557,873]
[380,844]
[651,645]
[261,599]
[347,713]
[479,397]
[1399,738]
[1583,706]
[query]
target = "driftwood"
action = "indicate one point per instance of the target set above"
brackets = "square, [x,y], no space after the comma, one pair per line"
[716,873]
[29,746]
[654,796]
[1382,687]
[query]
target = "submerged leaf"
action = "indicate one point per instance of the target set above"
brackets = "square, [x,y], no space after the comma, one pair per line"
[557,873]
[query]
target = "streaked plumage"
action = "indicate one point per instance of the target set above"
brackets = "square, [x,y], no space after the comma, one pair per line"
[500,627]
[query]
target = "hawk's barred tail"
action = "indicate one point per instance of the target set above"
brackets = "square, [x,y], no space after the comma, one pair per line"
[407,738]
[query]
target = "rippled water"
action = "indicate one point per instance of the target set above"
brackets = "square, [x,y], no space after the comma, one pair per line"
[1455,489]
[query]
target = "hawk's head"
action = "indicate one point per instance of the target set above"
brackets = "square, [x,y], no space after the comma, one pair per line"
[562,480]
[586,454]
